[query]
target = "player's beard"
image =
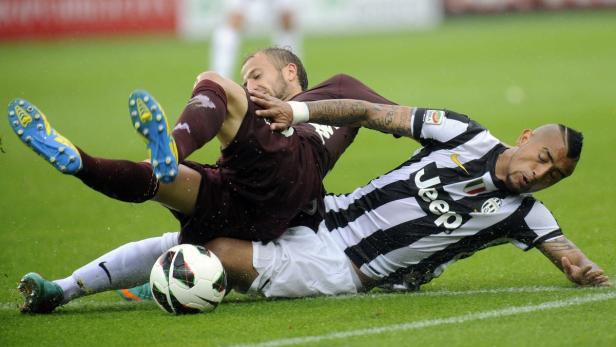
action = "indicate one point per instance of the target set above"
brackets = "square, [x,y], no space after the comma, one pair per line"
[281,88]
[527,188]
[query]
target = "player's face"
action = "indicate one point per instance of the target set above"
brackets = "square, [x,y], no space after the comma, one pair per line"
[539,161]
[261,75]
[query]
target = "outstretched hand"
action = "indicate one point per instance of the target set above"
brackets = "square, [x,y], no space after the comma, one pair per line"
[279,112]
[584,276]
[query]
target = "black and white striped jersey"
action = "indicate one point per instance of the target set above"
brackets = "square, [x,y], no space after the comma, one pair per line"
[443,204]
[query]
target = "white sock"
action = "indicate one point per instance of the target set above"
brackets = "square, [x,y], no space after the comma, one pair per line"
[225,43]
[289,39]
[125,267]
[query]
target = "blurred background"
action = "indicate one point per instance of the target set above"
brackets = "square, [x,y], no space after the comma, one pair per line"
[198,19]
[226,22]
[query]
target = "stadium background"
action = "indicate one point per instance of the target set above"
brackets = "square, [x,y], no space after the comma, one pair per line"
[517,67]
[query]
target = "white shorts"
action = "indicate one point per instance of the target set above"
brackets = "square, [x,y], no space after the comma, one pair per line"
[302,263]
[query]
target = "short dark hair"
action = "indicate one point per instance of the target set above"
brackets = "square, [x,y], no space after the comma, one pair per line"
[573,139]
[280,57]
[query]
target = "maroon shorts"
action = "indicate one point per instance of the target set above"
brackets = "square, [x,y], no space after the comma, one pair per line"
[264,182]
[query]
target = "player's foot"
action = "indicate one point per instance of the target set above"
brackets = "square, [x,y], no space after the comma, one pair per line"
[138,293]
[32,127]
[149,119]
[40,295]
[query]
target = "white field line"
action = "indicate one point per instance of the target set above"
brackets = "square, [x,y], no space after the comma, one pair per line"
[493,314]
[444,292]
[83,303]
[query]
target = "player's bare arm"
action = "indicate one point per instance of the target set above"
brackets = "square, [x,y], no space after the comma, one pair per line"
[345,112]
[573,262]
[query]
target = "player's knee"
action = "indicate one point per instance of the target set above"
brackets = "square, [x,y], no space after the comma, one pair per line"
[211,76]
[209,82]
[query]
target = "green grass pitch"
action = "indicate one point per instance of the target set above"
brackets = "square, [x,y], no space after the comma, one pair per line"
[507,72]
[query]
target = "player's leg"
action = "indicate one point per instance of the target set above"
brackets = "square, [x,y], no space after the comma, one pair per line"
[226,39]
[124,267]
[217,108]
[287,33]
[236,257]
[181,195]
[120,179]
[303,263]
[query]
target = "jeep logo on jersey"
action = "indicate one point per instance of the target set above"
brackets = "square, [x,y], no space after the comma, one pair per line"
[449,219]
[491,205]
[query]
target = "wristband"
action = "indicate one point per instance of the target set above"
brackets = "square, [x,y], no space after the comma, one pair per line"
[301,114]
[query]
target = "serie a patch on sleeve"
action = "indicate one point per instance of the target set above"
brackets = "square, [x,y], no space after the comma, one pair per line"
[434,117]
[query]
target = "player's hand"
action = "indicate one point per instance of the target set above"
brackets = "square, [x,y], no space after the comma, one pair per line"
[584,276]
[279,112]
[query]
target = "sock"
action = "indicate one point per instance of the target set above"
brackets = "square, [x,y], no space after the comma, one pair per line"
[225,43]
[119,179]
[125,267]
[201,119]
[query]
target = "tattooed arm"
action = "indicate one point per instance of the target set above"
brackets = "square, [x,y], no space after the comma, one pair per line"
[386,118]
[344,112]
[572,261]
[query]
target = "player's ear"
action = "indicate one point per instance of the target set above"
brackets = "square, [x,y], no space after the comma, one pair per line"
[524,137]
[290,72]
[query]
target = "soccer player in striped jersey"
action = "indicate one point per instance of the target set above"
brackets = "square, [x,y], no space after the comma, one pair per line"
[463,191]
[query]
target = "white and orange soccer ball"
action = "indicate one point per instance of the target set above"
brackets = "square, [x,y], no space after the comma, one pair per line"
[188,279]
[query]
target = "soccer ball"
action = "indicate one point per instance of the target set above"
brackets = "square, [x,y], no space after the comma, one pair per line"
[188,279]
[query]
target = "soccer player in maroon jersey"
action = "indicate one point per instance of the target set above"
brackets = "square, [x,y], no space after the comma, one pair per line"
[261,179]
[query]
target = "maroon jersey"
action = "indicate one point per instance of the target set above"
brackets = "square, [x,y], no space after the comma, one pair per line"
[266,181]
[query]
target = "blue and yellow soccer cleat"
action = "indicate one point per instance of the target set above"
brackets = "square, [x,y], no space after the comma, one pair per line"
[138,293]
[150,121]
[40,295]
[32,127]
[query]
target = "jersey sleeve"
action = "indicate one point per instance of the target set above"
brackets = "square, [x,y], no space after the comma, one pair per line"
[538,226]
[438,126]
[342,86]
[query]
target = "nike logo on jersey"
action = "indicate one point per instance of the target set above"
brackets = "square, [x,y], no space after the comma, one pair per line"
[102,265]
[454,158]
[449,219]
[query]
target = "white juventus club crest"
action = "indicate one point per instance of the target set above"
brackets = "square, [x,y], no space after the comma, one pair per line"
[491,205]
